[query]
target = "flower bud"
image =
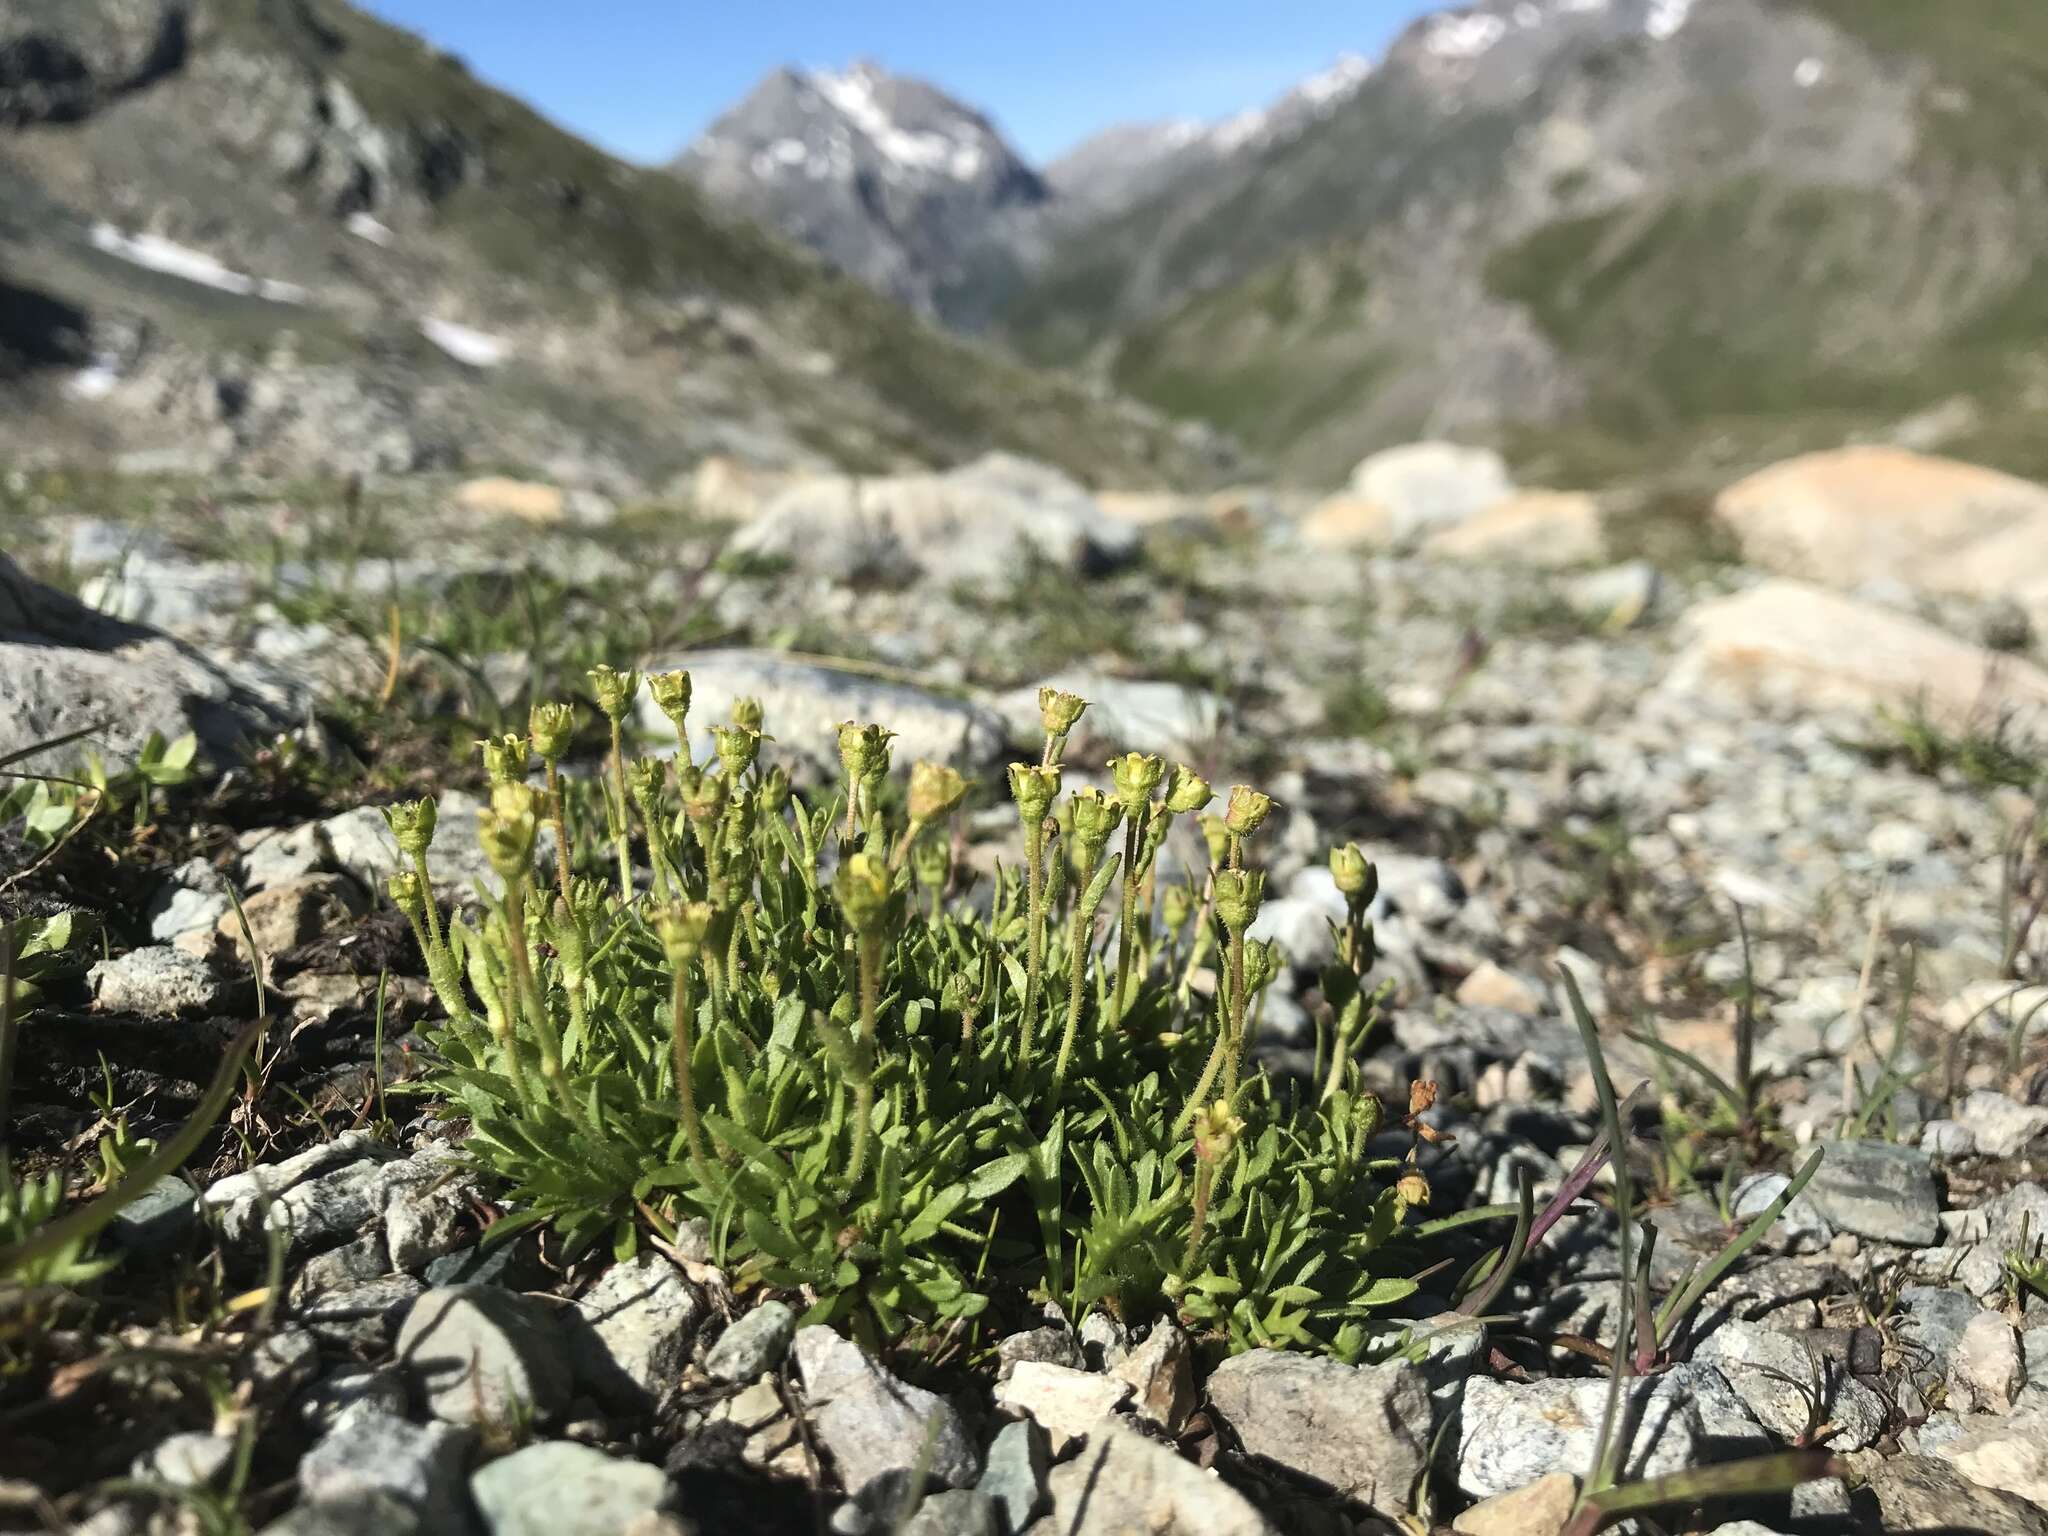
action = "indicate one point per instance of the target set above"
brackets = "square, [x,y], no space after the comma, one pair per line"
[748,715]
[505,758]
[615,690]
[772,794]
[738,746]
[1412,1189]
[1186,791]
[704,796]
[1247,809]
[935,791]
[862,887]
[1095,817]
[1216,1131]
[408,894]
[863,750]
[1355,875]
[506,828]
[1034,789]
[1217,836]
[1136,775]
[552,727]
[644,779]
[682,928]
[1261,965]
[412,824]
[1059,711]
[1238,894]
[1176,906]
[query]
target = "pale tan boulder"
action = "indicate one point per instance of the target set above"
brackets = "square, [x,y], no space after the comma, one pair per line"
[1347,522]
[1856,515]
[1427,486]
[1532,528]
[1793,646]
[1148,509]
[500,496]
[733,490]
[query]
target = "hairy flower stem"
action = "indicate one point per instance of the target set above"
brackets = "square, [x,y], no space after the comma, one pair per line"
[621,814]
[864,1088]
[433,909]
[1126,940]
[1209,1070]
[1034,941]
[1205,1176]
[558,813]
[1233,1059]
[686,1092]
[441,971]
[527,1000]
[1078,946]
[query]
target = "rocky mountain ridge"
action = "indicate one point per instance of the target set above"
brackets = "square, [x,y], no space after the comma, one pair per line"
[280,236]
[1620,238]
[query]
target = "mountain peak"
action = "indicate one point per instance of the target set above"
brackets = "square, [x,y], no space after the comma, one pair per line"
[884,175]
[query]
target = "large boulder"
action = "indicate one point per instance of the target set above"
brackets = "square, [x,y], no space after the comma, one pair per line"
[1857,515]
[734,491]
[967,524]
[65,667]
[1800,648]
[1531,528]
[530,501]
[1426,486]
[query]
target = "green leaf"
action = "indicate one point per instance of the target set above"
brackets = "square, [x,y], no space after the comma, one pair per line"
[940,1206]
[992,1178]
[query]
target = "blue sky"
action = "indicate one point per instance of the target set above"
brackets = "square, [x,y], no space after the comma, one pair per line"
[643,77]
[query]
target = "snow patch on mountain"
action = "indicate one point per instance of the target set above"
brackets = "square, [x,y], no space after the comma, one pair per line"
[180,261]
[1666,18]
[924,153]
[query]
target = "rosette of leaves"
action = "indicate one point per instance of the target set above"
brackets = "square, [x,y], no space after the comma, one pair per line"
[787,1035]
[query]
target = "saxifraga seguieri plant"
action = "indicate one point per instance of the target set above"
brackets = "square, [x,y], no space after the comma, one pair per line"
[900,1106]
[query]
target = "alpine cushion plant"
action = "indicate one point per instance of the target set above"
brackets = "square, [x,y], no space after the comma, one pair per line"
[908,1109]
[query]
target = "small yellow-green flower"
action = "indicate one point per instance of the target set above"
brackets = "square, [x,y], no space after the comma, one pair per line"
[552,727]
[1247,809]
[412,824]
[682,927]
[862,887]
[935,791]
[1034,789]
[1059,711]
[1354,874]
[615,689]
[1238,894]
[505,759]
[506,828]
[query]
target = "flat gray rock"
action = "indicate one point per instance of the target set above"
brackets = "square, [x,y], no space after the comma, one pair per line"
[1361,1430]
[1879,1190]
[871,1422]
[65,667]
[558,1488]
[160,982]
[1510,1434]
[756,1343]
[1121,1482]
[630,1333]
[483,1356]
[369,1451]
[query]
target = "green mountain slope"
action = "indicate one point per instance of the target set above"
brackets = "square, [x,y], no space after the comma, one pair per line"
[1613,243]
[306,143]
